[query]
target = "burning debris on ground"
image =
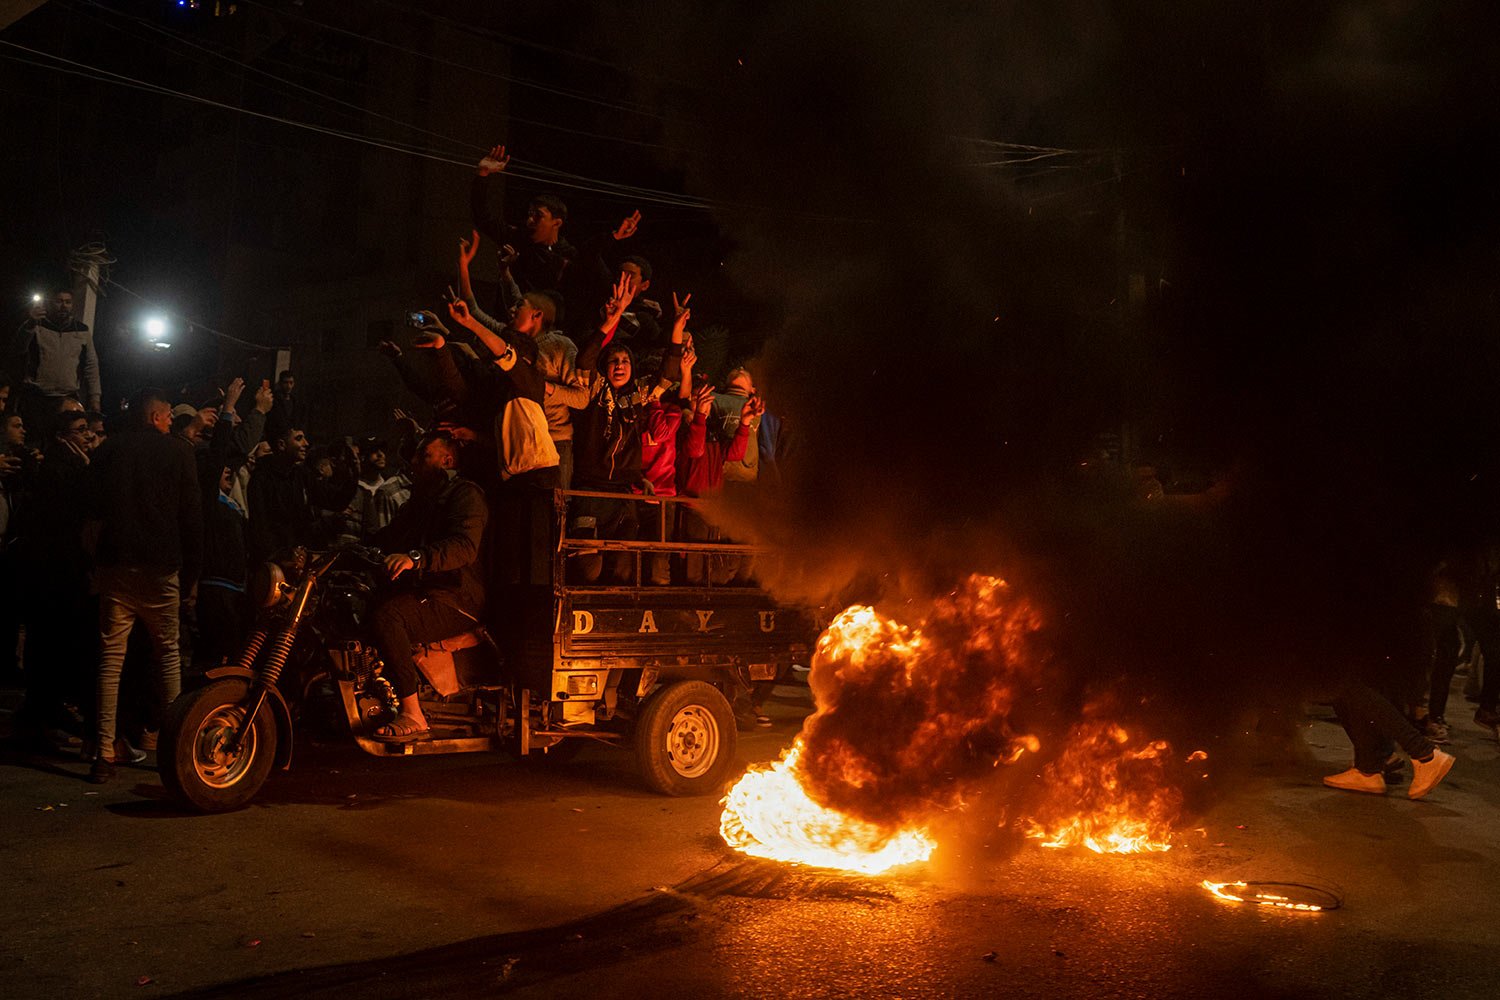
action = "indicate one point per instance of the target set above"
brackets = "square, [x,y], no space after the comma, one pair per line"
[916,724]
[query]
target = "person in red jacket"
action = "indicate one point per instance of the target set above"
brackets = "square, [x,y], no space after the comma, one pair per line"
[700,473]
[659,436]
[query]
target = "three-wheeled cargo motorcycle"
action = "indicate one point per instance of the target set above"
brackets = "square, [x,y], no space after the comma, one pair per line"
[654,668]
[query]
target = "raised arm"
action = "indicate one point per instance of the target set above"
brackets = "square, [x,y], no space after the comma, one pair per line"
[466,251]
[681,342]
[498,344]
[696,443]
[685,387]
[88,370]
[621,294]
[250,431]
[485,221]
[740,443]
[221,441]
[18,355]
[599,259]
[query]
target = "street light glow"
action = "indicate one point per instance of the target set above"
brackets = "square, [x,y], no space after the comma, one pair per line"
[156,328]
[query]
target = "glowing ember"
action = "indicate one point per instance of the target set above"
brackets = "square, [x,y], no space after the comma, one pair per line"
[1103,794]
[1243,892]
[767,814]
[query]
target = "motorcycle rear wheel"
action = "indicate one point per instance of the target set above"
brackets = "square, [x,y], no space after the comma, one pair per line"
[195,766]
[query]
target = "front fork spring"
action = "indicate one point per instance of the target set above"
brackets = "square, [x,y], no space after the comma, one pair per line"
[252,649]
[280,650]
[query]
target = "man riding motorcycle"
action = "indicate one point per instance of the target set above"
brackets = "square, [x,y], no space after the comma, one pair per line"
[433,546]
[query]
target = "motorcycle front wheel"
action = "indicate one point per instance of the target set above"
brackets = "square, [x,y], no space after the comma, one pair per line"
[196,765]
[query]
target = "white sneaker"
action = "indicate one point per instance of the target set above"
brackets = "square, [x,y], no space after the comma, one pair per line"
[127,754]
[1426,775]
[1355,780]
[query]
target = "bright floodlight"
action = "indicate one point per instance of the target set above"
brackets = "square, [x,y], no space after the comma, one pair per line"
[36,296]
[156,328]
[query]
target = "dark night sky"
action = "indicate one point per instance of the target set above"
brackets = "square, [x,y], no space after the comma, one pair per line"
[1307,188]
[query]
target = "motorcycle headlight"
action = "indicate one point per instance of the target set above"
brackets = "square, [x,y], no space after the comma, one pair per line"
[266,582]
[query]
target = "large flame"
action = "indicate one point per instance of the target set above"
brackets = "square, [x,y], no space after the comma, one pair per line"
[768,814]
[912,718]
[901,711]
[1107,794]
[909,713]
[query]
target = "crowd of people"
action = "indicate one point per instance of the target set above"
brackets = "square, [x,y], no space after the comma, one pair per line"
[155,516]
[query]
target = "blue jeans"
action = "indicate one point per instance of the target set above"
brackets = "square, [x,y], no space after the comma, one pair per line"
[127,595]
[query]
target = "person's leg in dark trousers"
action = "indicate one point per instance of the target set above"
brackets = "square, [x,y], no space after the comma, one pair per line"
[11,606]
[603,517]
[692,528]
[1373,725]
[397,623]
[520,528]
[47,630]
[622,524]
[586,517]
[564,463]
[654,529]
[221,624]
[1486,625]
[1443,622]
[540,515]
[506,529]
[61,650]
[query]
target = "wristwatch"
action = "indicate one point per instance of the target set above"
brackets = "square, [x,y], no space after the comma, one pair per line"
[415,555]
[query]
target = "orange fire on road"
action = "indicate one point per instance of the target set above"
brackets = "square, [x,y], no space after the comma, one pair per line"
[913,718]
[1107,793]
[1246,892]
[768,814]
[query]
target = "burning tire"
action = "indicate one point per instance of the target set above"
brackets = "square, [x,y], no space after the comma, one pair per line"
[685,739]
[195,765]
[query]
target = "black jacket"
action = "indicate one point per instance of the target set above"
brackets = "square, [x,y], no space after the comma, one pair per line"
[51,531]
[538,268]
[446,524]
[281,514]
[145,491]
[607,432]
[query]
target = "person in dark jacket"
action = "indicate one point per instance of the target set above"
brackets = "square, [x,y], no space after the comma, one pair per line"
[281,512]
[222,613]
[542,254]
[286,411]
[607,440]
[56,605]
[433,547]
[285,496]
[148,511]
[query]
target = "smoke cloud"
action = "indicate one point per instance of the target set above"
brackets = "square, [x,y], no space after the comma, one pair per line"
[1304,194]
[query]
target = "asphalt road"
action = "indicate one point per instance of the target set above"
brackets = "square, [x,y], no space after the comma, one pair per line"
[475,876]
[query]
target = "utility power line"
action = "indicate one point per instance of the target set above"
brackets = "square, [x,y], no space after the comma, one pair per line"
[528,172]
